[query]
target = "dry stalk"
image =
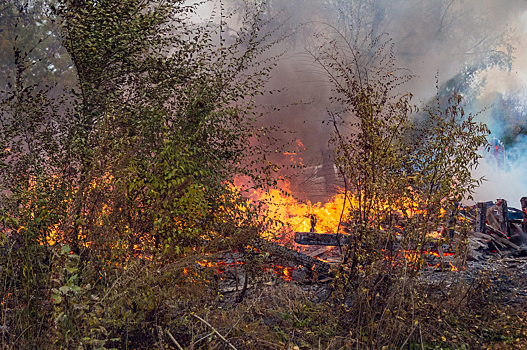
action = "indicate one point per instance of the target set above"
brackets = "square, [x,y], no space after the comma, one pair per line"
[204,337]
[174,340]
[409,335]
[421,336]
[215,331]
[246,311]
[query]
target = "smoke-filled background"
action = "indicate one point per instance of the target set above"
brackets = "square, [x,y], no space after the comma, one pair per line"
[475,48]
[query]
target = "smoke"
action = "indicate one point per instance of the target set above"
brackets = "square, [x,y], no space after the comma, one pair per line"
[500,183]
[472,47]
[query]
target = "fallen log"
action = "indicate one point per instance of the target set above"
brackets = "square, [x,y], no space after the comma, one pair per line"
[289,254]
[504,241]
[326,239]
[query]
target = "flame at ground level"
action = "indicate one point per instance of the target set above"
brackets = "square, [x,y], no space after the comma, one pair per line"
[295,215]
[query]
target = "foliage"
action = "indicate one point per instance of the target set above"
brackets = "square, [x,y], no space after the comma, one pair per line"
[118,195]
[133,166]
[176,145]
[32,29]
[402,177]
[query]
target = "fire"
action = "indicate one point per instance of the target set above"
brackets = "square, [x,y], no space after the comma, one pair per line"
[283,271]
[294,154]
[295,215]
[282,207]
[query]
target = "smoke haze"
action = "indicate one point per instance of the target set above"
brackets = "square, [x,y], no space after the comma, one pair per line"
[475,48]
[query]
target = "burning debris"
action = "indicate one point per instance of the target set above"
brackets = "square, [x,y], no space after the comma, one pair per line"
[497,230]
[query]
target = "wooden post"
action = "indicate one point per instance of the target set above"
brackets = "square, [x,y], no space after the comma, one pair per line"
[503,216]
[523,202]
[481,217]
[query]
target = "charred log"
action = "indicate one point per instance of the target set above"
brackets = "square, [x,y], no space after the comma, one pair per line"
[300,259]
[325,239]
[481,218]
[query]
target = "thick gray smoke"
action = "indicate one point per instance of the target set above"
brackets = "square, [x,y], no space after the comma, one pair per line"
[473,47]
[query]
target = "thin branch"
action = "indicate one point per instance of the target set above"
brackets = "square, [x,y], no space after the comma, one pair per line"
[215,331]
[174,340]
[421,335]
[409,335]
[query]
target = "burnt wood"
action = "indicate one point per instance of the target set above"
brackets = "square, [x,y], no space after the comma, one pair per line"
[481,218]
[523,202]
[326,239]
[504,241]
[503,216]
[308,262]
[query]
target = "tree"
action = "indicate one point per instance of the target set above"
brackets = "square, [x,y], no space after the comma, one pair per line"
[29,26]
[402,177]
[135,163]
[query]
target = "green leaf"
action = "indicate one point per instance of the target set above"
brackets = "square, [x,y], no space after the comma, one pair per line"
[57,298]
[65,250]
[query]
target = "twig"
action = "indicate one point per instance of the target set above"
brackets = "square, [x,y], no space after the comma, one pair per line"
[215,331]
[205,337]
[409,335]
[421,335]
[241,317]
[174,340]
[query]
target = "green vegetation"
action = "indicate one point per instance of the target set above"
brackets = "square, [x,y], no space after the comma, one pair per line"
[132,166]
[403,178]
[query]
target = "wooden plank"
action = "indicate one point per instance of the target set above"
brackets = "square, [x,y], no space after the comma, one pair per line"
[317,252]
[492,219]
[491,229]
[478,243]
[516,226]
[504,241]
[481,235]
[325,239]
[498,243]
